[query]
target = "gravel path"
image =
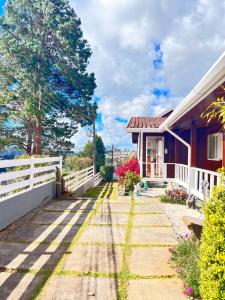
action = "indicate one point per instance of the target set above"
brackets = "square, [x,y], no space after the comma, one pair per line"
[175,212]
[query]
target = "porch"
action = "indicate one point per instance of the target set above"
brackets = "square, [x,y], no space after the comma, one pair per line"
[190,178]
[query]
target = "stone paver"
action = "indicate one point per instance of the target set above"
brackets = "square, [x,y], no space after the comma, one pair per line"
[80,288]
[40,241]
[153,235]
[18,286]
[155,289]
[43,233]
[71,205]
[149,208]
[151,220]
[147,200]
[115,208]
[60,218]
[106,259]
[113,219]
[151,261]
[103,234]
[24,256]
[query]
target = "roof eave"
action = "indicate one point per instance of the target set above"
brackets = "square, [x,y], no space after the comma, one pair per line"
[209,82]
[147,130]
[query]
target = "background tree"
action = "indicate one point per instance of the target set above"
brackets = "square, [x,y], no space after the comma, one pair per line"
[100,152]
[44,83]
[76,163]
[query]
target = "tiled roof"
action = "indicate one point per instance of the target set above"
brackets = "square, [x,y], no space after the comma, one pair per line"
[145,122]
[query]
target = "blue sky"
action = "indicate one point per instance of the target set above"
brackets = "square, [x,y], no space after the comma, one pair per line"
[147,55]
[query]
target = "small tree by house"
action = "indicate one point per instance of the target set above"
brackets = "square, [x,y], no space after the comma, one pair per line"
[100,152]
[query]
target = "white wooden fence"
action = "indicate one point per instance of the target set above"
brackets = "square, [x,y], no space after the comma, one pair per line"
[75,180]
[20,175]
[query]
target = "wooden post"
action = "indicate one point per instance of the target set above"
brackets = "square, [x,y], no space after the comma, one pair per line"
[193,145]
[58,183]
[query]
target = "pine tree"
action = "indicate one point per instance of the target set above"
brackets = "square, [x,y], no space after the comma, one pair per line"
[44,82]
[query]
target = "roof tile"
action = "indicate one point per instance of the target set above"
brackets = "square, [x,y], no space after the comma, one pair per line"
[145,122]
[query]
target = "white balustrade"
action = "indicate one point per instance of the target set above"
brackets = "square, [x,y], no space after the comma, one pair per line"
[155,172]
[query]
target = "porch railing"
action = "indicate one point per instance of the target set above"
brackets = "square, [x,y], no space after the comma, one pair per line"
[179,174]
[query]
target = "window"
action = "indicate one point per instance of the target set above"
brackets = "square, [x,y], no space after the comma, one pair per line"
[215,142]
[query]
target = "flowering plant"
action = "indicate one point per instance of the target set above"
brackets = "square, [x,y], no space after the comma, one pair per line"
[129,173]
[176,193]
[185,258]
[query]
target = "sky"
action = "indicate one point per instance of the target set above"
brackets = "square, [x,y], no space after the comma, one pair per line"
[147,56]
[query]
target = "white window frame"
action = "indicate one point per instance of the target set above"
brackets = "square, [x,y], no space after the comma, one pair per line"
[219,146]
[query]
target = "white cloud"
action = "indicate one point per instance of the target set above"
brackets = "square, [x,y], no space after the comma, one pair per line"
[122,34]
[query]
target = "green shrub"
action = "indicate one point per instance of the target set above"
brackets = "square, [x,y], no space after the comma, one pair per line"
[185,257]
[212,250]
[107,173]
[130,180]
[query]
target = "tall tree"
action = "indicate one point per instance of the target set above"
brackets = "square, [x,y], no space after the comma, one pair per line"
[44,83]
[100,152]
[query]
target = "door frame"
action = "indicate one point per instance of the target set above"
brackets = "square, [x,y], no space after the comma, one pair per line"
[163,152]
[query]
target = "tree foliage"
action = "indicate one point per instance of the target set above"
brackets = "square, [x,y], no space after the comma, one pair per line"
[100,152]
[45,88]
[76,163]
[216,110]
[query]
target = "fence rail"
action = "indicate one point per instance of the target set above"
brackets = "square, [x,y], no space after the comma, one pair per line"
[75,180]
[20,175]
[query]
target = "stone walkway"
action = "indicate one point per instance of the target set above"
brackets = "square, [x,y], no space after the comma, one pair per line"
[105,249]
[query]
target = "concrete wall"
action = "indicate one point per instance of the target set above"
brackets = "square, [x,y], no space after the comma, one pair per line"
[82,190]
[13,208]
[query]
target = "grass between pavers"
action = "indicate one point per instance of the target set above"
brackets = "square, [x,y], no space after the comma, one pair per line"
[123,276]
[105,193]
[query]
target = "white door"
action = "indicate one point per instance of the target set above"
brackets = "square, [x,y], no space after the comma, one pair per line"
[154,157]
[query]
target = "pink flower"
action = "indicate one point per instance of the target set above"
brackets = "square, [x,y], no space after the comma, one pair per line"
[178,270]
[188,291]
[186,236]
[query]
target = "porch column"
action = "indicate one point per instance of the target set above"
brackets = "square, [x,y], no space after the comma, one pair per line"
[141,156]
[138,147]
[177,149]
[193,145]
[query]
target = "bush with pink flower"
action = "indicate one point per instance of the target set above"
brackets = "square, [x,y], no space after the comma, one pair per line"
[129,173]
[185,259]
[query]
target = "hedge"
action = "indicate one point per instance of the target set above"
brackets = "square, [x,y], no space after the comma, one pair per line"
[212,249]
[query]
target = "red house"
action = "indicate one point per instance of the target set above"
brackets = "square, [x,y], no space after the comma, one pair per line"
[179,145]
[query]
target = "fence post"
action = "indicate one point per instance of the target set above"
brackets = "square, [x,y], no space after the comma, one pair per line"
[32,163]
[58,182]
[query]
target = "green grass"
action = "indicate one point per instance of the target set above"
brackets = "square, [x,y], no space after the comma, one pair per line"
[166,199]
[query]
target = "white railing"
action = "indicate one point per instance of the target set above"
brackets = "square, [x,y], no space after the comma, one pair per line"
[19,175]
[179,173]
[198,176]
[77,179]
